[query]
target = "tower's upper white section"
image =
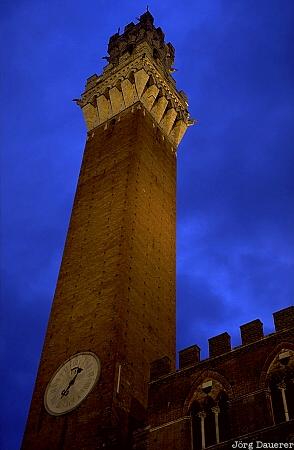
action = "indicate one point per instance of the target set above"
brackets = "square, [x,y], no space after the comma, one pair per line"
[138,70]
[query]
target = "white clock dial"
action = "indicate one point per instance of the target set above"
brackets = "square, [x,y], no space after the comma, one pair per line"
[71,383]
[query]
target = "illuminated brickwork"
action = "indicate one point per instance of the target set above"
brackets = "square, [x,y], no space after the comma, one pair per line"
[115,294]
[244,387]
[116,290]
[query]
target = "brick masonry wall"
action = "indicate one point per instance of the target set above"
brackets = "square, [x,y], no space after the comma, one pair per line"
[241,372]
[115,294]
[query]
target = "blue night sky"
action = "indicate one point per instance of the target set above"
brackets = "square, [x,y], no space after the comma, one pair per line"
[235,255]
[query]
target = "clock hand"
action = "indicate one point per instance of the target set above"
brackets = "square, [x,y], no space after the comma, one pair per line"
[65,392]
[79,370]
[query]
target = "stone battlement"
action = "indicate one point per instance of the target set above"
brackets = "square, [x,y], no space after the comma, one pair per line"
[139,70]
[251,333]
[134,34]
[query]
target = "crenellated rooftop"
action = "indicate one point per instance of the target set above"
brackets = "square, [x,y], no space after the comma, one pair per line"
[138,74]
[133,35]
[220,345]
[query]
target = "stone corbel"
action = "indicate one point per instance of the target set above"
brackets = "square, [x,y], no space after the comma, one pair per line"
[90,115]
[127,86]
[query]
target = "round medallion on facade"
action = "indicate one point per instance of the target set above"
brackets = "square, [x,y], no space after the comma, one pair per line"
[71,383]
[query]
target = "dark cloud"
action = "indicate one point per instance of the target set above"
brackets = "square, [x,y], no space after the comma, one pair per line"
[24,318]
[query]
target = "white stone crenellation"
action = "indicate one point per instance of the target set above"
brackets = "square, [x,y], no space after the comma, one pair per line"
[137,78]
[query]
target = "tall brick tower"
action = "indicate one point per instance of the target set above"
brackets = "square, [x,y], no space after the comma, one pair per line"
[114,306]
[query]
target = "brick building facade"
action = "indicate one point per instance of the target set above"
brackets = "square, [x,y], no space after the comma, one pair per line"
[242,394]
[113,315]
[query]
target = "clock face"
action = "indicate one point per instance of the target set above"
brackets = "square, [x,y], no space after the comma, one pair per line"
[71,383]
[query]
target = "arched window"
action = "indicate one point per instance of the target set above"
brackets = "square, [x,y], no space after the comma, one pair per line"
[290,397]
[209,421]
[196,425]
[130,48]
[277,402]
[155,53]
[281,384]
[224,420]
[210,415]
